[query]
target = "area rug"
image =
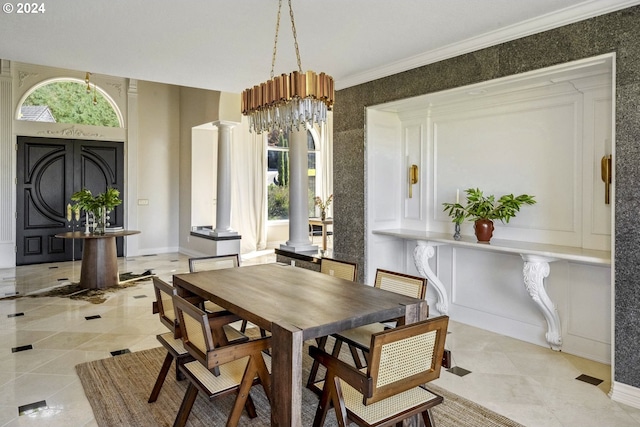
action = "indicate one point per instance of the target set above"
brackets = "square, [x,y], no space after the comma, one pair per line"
[94,296]
[118,389]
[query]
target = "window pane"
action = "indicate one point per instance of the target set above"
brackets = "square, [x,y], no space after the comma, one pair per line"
[278,185]
[68,102]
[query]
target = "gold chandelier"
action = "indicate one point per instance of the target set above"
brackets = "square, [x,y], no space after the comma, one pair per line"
[288,100]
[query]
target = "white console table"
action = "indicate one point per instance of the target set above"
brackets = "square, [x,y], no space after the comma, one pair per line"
[536,257]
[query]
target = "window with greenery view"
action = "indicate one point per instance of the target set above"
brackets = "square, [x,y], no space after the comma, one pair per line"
[69,102]
[278,175]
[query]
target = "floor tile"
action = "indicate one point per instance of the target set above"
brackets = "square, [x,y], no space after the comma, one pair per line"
[528,383]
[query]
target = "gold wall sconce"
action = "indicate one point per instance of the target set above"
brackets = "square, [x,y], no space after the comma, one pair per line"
[606,175]
[413,178]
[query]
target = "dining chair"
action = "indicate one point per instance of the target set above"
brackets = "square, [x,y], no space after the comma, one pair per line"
[171,340]
[359,338]
[215,262]
[344,270]
[316,230]
[391,389]
[341,269]
[239,366]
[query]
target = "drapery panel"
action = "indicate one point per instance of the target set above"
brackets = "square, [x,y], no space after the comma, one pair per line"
[248,187]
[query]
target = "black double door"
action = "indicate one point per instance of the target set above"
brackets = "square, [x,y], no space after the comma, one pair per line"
[49,171]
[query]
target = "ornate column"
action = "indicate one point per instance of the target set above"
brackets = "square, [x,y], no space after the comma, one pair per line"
[421,255]
[7,168]
[223,205]
[535,269]
[131,210]
[298,194]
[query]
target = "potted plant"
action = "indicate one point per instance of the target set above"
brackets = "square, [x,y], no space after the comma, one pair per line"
[98,206]
[323,205]
[483,210]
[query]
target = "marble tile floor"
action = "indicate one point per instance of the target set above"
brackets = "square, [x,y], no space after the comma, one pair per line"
[530,384]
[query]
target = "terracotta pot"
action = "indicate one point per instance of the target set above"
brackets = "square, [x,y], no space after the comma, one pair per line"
[484,230]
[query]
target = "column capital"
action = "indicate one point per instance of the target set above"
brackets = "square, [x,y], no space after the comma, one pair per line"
[224,123]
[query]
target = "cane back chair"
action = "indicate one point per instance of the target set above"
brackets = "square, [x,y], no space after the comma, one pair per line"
[391,388]
[238,366]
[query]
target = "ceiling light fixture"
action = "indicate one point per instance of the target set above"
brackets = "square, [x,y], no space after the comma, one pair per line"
[288,100]
[86,80]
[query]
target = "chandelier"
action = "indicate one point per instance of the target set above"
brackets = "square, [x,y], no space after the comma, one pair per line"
[288,100]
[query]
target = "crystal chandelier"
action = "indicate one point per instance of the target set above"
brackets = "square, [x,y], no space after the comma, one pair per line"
[288,100]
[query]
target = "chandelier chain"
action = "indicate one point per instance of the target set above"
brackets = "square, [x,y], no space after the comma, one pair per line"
[275,41]
[295,37]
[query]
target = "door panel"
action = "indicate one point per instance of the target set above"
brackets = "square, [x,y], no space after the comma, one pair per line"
[49,171]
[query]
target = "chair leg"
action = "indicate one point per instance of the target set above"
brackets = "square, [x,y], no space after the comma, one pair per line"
[356,357]
[243,398]
[321,342]
[321,412]
[179,374]
[185,407]
[243,327]
[427,417]
[161,376]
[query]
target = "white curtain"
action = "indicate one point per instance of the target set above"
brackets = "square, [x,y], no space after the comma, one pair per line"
[248,187]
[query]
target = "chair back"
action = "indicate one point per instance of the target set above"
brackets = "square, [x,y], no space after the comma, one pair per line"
[404,284]
[196,330]
[213,262]
[341,269]
[164,299]
[406,357]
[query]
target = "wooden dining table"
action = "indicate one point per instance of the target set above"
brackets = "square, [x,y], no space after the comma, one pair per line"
[296,305]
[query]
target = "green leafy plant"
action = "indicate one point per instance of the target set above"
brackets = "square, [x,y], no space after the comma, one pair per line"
[480,206]
[88,202]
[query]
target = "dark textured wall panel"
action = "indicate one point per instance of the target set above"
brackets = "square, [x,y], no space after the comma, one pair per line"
[616,32]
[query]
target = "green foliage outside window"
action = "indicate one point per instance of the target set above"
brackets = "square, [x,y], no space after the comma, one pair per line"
[278,202]
[69,102]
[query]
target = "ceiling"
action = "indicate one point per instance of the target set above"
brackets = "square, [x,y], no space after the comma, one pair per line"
[227,45]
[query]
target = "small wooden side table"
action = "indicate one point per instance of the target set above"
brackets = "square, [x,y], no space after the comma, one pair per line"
[99,268]
[323,223]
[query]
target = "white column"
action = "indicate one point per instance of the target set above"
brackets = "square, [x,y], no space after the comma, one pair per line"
[7,169]
[223,204]
[131,209]
[298,194]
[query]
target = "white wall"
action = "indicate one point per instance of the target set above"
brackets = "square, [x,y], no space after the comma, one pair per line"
[204,159]
[543,135]
[157,167]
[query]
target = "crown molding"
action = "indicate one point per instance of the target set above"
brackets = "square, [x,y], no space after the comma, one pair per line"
[540,24]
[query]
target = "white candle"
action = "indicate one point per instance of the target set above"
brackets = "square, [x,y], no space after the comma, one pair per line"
[457,195]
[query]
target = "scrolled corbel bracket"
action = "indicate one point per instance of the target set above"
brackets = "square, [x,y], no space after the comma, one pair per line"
[423,251]
[536,269]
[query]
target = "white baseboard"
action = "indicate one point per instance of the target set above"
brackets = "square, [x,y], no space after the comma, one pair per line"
[624,393]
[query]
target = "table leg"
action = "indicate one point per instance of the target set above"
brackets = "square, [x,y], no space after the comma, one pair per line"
[324,237]
[99,263]
[286,375]
[417,312]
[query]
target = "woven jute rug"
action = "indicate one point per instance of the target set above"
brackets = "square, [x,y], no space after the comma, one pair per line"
[118,389]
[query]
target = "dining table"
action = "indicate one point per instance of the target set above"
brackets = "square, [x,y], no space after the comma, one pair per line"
[296,305]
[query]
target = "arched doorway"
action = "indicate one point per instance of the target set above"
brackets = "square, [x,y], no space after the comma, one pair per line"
[50,170]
